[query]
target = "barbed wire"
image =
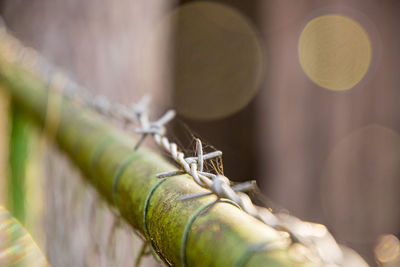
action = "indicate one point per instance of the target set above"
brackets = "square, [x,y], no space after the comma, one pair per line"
[323,247]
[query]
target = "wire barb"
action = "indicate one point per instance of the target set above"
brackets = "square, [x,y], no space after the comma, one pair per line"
[146,127]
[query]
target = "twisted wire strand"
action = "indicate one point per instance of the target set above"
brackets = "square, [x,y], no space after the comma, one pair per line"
[314,236]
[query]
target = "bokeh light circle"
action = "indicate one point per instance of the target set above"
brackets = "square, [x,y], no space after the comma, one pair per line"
[334,51]
[359,184]
[387,249]
[218,60]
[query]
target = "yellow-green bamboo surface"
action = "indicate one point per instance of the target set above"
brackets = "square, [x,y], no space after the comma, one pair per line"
[222,236]
[16,245]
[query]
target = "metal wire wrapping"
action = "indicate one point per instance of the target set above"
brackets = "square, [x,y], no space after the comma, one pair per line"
[314,236]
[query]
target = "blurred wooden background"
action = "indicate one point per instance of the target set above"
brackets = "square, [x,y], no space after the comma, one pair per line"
[325,155]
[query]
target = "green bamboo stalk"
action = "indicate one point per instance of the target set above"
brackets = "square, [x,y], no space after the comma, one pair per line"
[18,156]
[222,236]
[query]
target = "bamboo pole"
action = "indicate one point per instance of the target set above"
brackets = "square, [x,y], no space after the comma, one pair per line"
[221,236]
